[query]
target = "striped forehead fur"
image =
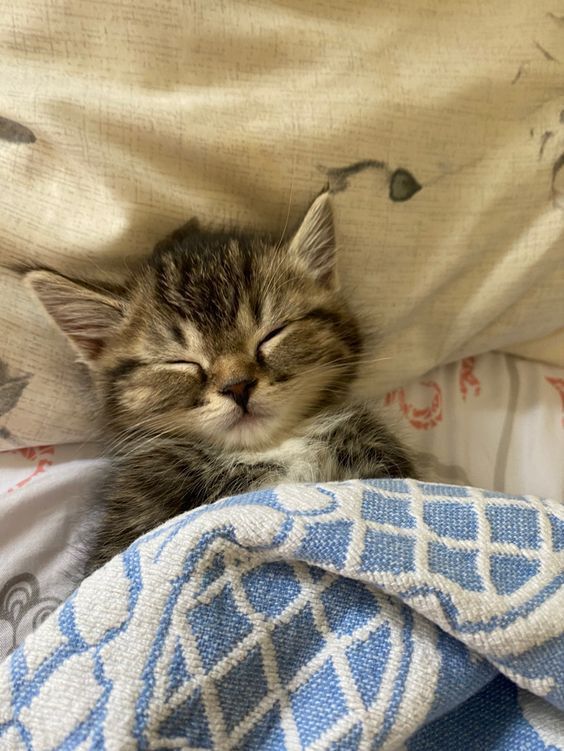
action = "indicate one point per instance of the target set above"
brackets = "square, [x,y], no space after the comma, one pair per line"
[204,278]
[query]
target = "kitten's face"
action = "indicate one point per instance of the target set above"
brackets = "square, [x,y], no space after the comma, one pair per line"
[231,339]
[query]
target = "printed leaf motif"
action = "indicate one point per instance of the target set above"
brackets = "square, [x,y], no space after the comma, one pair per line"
[10,393]
[15,132]
[11,388]
[403,185]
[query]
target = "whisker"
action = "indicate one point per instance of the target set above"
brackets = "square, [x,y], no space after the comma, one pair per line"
[343,364]
[283,233]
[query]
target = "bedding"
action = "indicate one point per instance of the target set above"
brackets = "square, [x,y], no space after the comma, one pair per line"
[438,127]
[44,493]
[436,123]
[366,614]
[470,423]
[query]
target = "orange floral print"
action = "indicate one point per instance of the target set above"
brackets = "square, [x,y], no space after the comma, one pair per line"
[467,379]
[421,418]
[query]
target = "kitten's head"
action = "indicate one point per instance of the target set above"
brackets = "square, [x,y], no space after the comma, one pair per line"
[230,338]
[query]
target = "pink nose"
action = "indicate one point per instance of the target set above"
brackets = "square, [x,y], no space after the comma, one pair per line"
[239,391]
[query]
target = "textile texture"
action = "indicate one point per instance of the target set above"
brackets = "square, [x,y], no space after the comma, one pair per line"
[367,614]
[437,124]
[45,491]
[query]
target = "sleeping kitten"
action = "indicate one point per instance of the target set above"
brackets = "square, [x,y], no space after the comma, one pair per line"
[223,365]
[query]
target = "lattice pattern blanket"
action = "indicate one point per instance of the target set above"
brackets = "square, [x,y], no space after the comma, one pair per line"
[360,615]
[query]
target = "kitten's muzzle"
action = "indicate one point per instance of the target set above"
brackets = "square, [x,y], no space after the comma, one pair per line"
[239,391]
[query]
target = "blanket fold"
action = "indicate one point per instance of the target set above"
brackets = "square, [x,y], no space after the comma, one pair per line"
[365,614]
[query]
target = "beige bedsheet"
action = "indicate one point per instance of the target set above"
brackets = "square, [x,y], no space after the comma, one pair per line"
[148,111]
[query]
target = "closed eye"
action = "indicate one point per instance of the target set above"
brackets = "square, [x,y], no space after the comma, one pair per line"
[271,335]
[182,362]
[184,365]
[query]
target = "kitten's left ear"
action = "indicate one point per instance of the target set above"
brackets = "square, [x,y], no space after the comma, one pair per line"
[87,315]
[314,243]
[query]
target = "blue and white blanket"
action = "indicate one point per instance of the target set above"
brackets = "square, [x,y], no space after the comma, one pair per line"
[359,615]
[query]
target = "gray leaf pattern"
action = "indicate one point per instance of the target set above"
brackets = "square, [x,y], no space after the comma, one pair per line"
[11,388]
[15,132]
[403,185]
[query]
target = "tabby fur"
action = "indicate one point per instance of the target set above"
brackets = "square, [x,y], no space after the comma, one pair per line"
[223,365]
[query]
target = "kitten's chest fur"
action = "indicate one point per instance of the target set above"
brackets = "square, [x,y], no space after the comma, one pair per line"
[302,459]
[154,480]
[340,444]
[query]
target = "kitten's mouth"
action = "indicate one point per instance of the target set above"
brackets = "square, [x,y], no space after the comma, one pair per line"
[246,418]
[247,429]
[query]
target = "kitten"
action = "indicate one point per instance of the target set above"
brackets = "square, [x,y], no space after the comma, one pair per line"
[223,365]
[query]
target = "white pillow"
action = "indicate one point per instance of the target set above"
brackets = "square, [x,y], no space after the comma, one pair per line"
[234,112]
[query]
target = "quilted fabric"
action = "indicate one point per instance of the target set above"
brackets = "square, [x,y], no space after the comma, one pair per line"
[366,614]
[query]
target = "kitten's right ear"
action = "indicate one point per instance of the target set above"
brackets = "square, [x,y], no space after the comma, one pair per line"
[86,315]
[314,244]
